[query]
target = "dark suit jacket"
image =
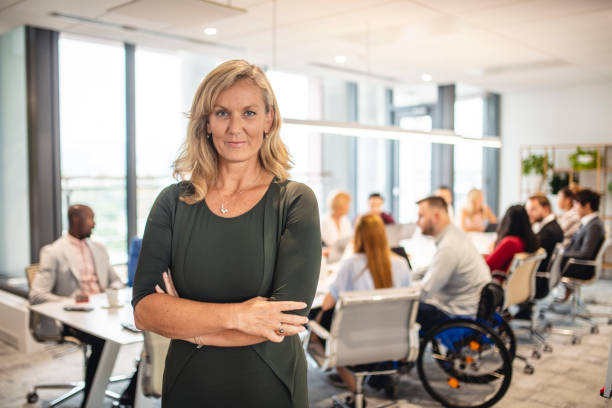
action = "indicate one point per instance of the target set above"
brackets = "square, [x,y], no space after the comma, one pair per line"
[550,235]
[584,245]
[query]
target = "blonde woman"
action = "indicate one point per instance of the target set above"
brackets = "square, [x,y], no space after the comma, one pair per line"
[336,227]
[243,244]
[476,214]
[372,266]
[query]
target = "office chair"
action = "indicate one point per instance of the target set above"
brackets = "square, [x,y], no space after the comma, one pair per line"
[45,329]
[152,363]
[520,287]
[578,309]
[368,327]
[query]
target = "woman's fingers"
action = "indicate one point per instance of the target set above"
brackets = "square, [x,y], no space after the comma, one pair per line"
[287,305]
[295,320]
[169,284]
[291,330]
[158,289]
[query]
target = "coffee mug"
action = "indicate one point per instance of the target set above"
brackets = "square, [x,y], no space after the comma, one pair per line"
[112,295]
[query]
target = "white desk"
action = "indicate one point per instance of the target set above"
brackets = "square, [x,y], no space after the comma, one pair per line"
[104,323]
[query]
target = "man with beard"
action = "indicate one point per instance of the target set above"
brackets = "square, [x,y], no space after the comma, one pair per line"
[457,273]
[549,233]
[75,264]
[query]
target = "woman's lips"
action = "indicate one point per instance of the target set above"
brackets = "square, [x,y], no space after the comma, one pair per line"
[235,144]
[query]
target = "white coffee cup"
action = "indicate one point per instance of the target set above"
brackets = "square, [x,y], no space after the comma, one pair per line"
[112,294]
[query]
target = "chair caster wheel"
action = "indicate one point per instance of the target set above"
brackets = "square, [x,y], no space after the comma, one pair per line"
[32,397]
[548,349]
[594,330]
[609,321]
[528,369]
[536,354]
[548,326]
[575,340]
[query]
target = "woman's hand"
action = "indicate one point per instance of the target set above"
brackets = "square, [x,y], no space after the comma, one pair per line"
[264,318]
[171,290]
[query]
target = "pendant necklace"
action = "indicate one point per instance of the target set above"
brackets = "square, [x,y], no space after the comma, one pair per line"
[223,209]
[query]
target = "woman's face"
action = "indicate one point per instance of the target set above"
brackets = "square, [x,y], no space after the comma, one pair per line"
[238,122]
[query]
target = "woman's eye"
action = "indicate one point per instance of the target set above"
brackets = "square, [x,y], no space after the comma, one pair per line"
[221,114]
[249,113]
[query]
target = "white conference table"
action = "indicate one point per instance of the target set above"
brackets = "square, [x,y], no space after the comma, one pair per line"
[105,323]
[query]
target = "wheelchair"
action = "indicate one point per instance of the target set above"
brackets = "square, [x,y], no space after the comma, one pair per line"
[465,362]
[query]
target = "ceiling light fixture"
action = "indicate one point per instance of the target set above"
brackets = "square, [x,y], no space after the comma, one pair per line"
[426,77]
[340,59]
[210,31]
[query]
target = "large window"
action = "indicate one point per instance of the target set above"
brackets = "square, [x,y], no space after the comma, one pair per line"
[92,136]
[469,121]
[160,125]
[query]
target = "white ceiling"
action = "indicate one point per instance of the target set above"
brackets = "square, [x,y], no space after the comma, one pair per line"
[501,45]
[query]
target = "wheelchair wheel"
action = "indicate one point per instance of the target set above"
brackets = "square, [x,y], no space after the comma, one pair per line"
[463,363]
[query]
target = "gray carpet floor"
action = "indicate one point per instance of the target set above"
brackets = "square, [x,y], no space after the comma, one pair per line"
[570,376]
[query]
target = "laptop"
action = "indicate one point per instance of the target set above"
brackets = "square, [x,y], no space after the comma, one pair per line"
[398,232]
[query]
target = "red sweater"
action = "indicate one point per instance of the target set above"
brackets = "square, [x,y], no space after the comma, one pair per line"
[500,258]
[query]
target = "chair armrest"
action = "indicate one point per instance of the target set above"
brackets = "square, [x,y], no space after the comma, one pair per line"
[415,342]
[574,261]
[317,329]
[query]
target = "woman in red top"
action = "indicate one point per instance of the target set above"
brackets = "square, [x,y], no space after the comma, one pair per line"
[514,235]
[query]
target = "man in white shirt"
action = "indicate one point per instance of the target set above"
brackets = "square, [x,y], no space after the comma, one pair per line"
[457,274]
[569,220]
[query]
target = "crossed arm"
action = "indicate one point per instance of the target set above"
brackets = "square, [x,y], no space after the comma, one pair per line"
[215,324]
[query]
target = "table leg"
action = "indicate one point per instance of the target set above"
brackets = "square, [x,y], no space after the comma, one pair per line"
[103,373]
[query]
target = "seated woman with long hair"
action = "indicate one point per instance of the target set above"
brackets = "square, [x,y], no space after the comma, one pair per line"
[372,266]
[514,235]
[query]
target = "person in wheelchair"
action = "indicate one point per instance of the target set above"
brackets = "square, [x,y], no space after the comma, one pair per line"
[372,266]
[457,274]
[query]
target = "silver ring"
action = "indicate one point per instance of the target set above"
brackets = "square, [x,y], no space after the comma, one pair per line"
[280,330]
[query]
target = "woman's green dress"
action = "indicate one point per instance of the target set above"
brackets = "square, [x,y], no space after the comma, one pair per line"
[272,250]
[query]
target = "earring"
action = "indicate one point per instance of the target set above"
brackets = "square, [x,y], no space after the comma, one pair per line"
[208,135]
[265,135]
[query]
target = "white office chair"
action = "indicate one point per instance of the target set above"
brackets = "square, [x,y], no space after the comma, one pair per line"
[152,363]
[520,287]
[369,327]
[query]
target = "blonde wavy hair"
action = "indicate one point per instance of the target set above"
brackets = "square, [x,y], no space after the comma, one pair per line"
[371,239]
[470,206]
[198,159]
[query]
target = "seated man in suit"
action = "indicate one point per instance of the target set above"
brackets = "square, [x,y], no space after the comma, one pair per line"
[453,282]
[587,240]
[549,233]
[75,264]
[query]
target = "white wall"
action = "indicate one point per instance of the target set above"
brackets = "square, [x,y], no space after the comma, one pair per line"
[550,117]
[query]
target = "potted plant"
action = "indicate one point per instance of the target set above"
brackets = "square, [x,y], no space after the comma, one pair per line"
[536,165]
[583,159]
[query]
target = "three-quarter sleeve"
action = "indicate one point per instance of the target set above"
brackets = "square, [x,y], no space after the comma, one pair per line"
[298,261]
[156,253]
